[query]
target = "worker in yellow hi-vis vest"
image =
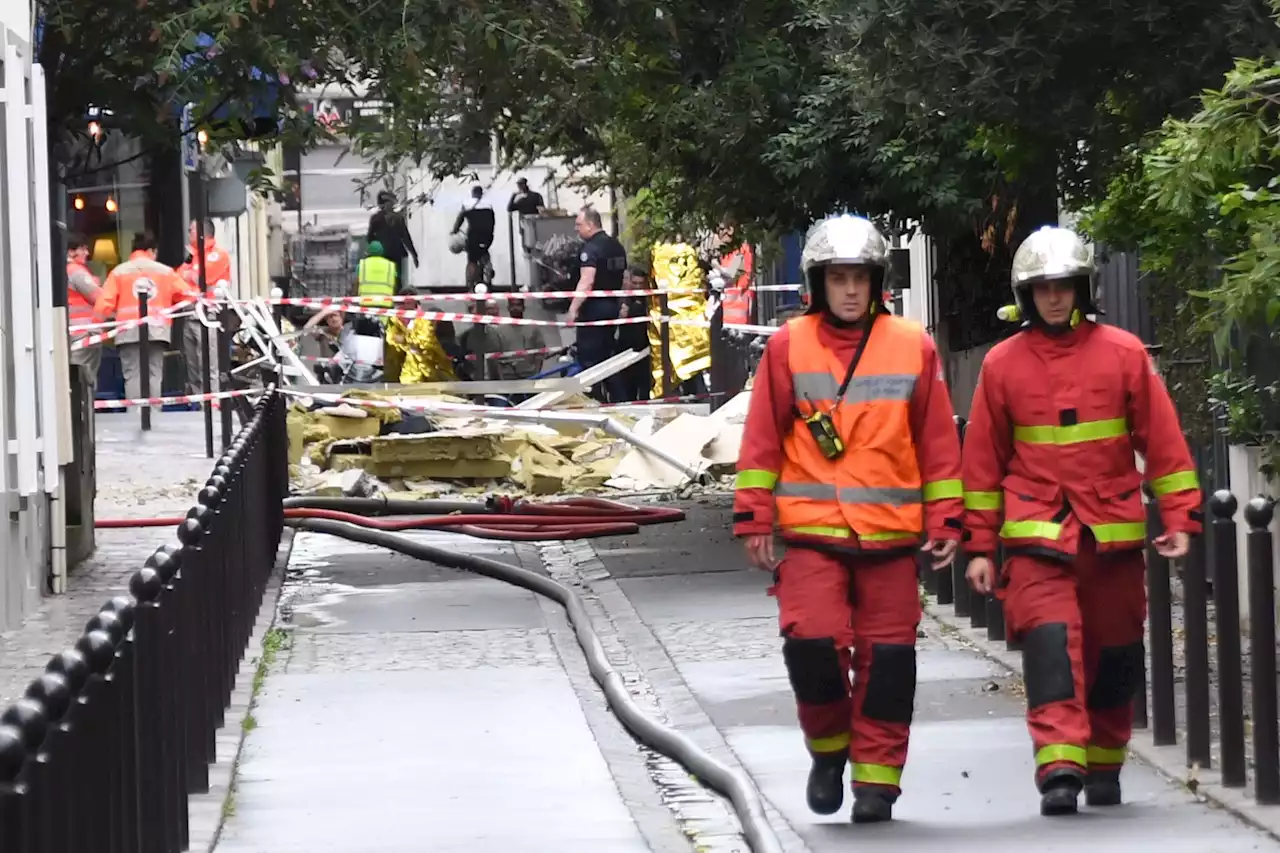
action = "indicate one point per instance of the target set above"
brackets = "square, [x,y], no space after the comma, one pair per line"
[376,276]
[376,281]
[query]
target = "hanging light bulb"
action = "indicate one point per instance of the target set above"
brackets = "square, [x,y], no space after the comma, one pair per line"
[78,202]
[111,205]
[202,138]
[95,130]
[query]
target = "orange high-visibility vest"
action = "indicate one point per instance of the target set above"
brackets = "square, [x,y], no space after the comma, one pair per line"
[79,309]
[874,490]
[737,296]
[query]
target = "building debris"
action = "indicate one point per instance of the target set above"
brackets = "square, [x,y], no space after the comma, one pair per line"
[433,444]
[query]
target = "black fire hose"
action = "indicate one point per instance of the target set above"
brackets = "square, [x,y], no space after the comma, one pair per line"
[385,506]
[746,800]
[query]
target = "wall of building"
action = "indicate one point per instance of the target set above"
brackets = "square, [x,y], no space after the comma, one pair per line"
[334,190]
[34,396]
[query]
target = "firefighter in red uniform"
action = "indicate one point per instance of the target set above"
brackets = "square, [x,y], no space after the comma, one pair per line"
[1049,468]
[850,452]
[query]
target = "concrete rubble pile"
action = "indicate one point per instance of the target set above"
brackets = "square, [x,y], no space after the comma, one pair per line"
[356,449]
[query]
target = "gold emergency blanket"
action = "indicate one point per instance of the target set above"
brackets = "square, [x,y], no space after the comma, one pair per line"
[675,267]
[424,358]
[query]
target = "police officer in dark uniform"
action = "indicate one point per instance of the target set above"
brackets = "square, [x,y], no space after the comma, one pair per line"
[604,263]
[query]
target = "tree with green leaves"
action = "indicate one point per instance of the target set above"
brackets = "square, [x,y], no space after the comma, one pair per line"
[1200,200]
[135,63]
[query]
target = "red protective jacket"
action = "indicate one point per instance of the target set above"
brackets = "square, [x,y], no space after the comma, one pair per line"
[772,416]
[1051,439]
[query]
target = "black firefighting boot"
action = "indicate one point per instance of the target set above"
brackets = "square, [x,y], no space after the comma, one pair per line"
[1060,792]
[825,791]
[872,804]
[1102,788]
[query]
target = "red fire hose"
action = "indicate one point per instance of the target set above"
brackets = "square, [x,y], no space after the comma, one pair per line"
[518,521]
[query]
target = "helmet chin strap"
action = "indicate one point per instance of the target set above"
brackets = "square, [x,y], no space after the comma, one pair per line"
[1059,328]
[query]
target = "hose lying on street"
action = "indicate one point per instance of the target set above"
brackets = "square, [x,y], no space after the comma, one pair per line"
[498,518]
[746,800]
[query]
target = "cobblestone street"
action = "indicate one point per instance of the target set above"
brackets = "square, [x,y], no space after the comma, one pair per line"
[140,475]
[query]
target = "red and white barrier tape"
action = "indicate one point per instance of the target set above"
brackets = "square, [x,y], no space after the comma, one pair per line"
[115,327]
[156,402]
[464,296]
[494,320]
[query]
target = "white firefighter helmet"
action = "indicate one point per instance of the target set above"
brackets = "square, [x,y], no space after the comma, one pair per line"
[848,240]
[1052,254]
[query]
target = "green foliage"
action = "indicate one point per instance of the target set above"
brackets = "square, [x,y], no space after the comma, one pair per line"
[1200,200]
[141,60]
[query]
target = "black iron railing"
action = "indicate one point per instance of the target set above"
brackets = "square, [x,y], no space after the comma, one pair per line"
[105,748]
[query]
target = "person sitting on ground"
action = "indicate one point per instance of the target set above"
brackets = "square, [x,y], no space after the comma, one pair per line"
[519,337]
[356,354]
[481,339]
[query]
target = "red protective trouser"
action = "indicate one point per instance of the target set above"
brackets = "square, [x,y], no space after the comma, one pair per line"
[1080,624]
[828,606]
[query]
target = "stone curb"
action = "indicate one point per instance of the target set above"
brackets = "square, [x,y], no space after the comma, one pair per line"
[1168,761]
[208,811]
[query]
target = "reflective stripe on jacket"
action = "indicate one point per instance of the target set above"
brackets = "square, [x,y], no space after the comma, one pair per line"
[1050,445]
[376,277]
[874,489]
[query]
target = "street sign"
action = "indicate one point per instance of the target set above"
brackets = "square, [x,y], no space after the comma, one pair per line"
[190,141]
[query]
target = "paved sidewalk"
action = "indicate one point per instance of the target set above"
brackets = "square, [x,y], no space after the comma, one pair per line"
[418,708]
[140,475]
[968,783]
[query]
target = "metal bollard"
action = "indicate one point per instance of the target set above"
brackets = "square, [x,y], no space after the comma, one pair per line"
[146,587]
[960,584]
[110,730]
[1160,616]
[1141,713]
[14,800]
[978,610]
[99,653]
[928,577]
[53,692]
[72,667]
[1226,599]
[994,606]
[1262,651]
[174,729]
[995,618]
[223,343]
[122,670]
[142,289]
[1195,638]
[943,582]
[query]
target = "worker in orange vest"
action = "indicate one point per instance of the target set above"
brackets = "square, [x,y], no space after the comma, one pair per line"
[119,300]
[738,294]
[218,272]
[83,290]
[850,453]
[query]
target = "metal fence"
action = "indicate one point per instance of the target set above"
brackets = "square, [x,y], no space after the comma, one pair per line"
[103,751]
